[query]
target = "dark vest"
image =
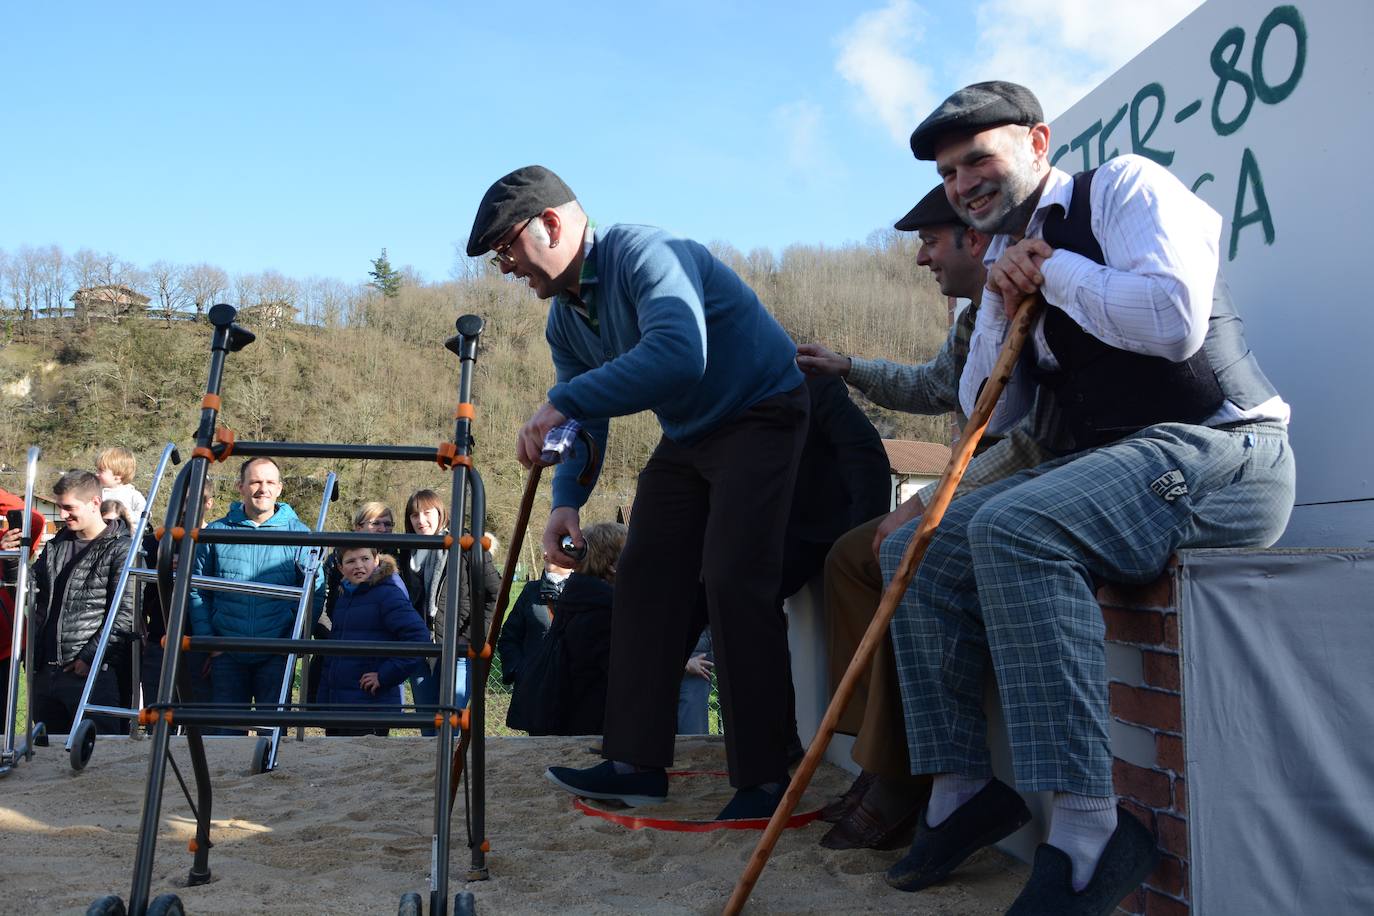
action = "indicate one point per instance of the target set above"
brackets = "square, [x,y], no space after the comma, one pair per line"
[1101,393]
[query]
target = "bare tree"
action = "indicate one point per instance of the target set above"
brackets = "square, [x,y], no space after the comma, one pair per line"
[169,289]
[204,284]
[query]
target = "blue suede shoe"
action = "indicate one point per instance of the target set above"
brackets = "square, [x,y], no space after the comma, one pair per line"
[994,813]
[603,782]
[1130,855]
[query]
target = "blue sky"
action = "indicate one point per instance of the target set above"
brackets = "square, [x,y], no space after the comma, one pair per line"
[304,137]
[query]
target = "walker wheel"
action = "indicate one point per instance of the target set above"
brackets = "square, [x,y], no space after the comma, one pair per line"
[107,906]
[83,743]
[411,905]
[464,904]
[166,905]
[262,754]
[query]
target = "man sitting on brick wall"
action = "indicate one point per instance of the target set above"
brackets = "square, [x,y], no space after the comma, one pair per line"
[1168,436]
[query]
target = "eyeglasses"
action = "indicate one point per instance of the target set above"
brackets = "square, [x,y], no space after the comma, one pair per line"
[498,254]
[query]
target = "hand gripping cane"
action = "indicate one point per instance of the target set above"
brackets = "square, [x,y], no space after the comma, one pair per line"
[1001,372]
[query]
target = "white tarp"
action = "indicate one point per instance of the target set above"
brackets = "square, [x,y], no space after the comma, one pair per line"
[1278,680]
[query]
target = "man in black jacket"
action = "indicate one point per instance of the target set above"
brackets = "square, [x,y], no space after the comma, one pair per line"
[76,577]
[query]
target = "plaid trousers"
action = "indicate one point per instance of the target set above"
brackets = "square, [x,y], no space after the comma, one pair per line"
[1008,577]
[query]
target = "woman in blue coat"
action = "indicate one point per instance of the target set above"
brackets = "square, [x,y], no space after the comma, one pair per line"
[372,605]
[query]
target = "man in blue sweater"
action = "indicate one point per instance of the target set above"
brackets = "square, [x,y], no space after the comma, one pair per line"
[641,320]
[243,678]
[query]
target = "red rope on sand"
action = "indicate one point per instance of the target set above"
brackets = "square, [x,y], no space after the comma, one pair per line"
[635,822]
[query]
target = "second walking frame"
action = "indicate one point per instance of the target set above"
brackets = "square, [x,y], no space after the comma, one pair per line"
[180,537]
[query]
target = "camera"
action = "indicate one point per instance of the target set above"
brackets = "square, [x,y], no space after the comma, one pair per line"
[571,549]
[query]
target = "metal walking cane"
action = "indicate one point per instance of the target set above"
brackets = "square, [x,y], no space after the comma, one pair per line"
[1026,314]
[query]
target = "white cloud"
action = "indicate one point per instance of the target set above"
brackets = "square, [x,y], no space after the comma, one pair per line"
[801,126]
[892,85]
[1061,49]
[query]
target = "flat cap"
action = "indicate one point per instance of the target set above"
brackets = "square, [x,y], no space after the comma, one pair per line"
[516,197]
[974,108]
[933,210]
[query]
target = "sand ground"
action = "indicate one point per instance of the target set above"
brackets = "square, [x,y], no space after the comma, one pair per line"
[343,825]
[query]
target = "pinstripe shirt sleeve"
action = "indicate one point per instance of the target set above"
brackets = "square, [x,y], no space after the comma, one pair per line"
[929,388]
[1160,242]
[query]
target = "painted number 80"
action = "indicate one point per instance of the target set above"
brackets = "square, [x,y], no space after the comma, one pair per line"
[1226,54]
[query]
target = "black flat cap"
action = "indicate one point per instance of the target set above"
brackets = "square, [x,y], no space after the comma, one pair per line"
[524,193]
[976,108]
[933,210]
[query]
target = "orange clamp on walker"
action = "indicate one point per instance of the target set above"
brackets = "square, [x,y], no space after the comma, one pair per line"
[445,453]
[456,722]
[486,845]
[462,720]
[438,719]
[201,451]
[164,641]
[192,845]
[225,436]
[465,411]
[472,655]
[486,542]
[486,651]
[186,644]
[448,541]
[167,717]
[146,717]
[210,402]
[466,542]
[157,532]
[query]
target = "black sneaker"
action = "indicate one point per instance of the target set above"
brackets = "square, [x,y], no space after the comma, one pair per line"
[1130,855]
[994,813]
[603,782]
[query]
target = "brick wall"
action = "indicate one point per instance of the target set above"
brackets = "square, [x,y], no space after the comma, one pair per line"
[1147,731]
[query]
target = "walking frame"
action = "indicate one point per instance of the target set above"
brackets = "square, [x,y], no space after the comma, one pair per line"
[179,538]
[11,754]
[1026,314]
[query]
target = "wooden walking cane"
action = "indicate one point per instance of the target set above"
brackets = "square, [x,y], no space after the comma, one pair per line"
[482,664]
[1001,373]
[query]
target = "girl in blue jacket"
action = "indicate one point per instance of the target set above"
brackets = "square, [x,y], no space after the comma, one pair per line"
[372,605]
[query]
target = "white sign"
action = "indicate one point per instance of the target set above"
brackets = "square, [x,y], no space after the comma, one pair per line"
[1267,112]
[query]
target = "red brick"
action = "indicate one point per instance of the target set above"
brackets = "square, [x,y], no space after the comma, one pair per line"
[1146,627]
[1133,905]
[1146,787]
[1142,814]
[1151,708]
[1167,877]
[1181,796]
[1156,594]
[1156,904]
[1169,753]
[1173,834]
[1161,670]
[1171,630]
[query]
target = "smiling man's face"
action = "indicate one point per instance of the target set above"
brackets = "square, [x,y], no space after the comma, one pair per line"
[992,177]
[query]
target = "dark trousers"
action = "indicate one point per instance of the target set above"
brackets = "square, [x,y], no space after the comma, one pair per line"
[714,512]
[57,693]
[244,679]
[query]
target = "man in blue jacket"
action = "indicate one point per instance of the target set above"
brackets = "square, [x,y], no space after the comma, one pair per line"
[242,678]
[641,320]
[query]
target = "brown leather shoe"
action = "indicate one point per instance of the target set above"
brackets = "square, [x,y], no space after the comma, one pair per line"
[864,828]
[835,812]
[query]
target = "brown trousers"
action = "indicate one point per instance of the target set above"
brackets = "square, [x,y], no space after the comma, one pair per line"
[853,587]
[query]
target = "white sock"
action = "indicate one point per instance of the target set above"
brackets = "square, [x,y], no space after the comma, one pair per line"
[1081,825]
[949,791]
